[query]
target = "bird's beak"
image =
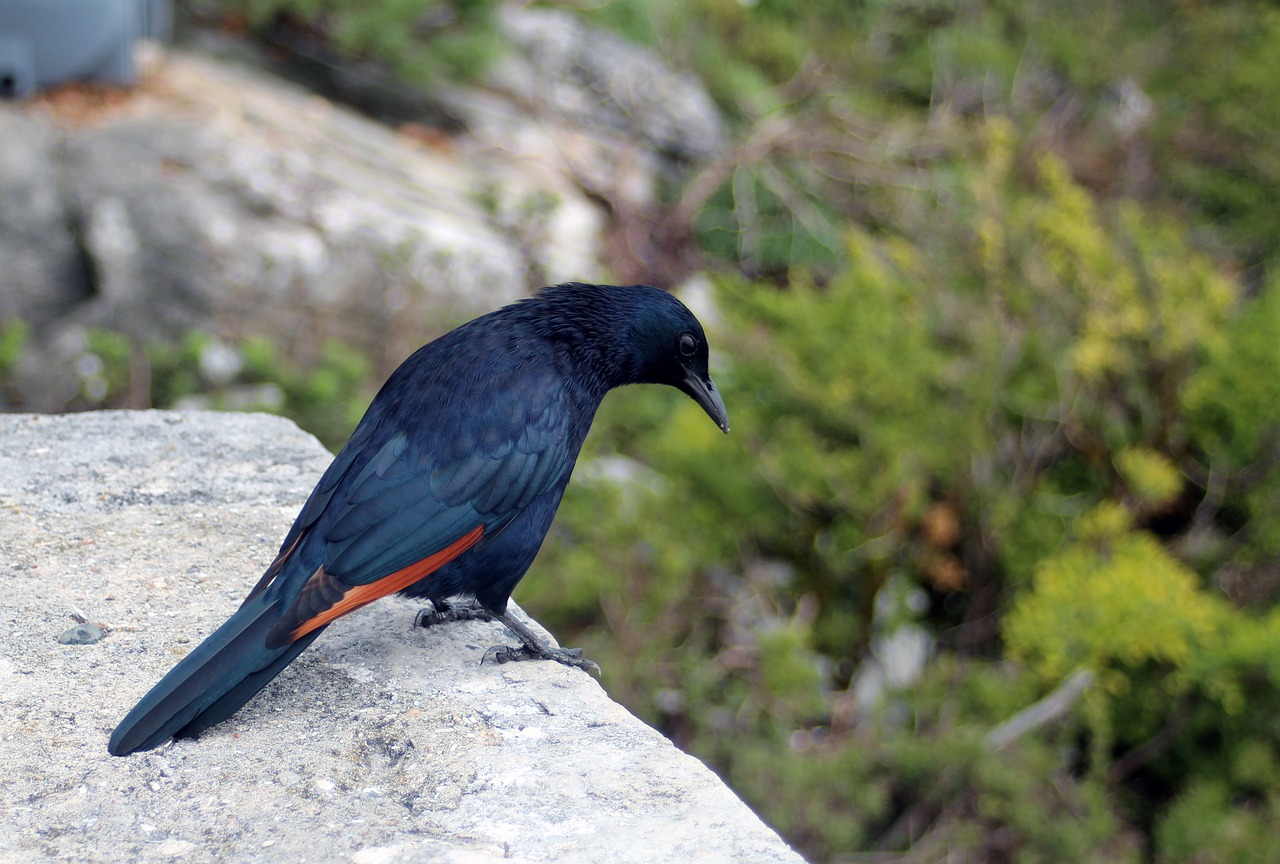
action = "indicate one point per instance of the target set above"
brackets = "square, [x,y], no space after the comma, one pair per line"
[704,392]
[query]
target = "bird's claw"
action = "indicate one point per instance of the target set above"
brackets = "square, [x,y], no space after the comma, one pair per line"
[531,647]
[566,656]
[428,618]
[445,613]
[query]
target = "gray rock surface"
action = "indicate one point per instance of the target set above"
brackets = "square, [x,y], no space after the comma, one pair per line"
[579,108]
[218,196]
[43,275]
[380,744]
[564,67]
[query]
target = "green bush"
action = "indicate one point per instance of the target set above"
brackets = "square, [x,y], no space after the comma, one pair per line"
[327,398]
[421,40]
[1014,413]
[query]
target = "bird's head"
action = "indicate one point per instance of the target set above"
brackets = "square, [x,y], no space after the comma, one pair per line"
[631,335]
[671,348]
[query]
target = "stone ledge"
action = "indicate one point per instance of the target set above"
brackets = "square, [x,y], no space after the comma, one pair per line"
[380,744]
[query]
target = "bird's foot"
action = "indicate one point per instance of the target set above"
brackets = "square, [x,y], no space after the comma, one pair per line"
[568,656]
[530,647]
[445,613]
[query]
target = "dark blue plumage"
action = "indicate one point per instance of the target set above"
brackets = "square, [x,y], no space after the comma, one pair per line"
[446,488]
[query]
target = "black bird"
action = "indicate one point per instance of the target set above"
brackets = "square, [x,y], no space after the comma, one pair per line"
[445,490]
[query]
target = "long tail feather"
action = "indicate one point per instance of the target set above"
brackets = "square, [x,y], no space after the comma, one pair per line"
[245,690]
[210,683]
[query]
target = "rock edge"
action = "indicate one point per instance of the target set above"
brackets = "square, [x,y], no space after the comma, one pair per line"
[380,744]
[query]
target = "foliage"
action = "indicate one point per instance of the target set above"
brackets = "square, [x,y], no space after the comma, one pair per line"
[1206,825]
[1232,404]
[847,108]
[14,335]
[1014,412]
[328,399]
[1215,139]
[1112,596]
[422,40]
[13,338]
[201,371]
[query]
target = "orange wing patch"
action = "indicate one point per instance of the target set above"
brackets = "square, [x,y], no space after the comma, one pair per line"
[353,597]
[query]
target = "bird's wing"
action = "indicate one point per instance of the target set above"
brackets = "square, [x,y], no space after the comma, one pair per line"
[321,495]
[421,490]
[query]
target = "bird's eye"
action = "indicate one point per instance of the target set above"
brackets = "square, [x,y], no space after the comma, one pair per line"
[688,345]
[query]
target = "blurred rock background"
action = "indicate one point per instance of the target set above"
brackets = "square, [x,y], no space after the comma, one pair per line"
[987,569]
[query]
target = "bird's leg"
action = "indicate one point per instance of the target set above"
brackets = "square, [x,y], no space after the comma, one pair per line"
[532,648]
[443,612]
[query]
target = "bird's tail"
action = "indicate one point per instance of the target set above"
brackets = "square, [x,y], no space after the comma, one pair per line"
[211,682]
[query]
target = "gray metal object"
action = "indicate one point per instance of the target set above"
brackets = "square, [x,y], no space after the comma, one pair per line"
[46,42]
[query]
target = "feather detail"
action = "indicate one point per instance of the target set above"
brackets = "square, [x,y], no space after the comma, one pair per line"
[325,598]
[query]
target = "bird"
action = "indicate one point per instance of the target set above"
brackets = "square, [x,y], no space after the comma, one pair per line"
[445,490]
